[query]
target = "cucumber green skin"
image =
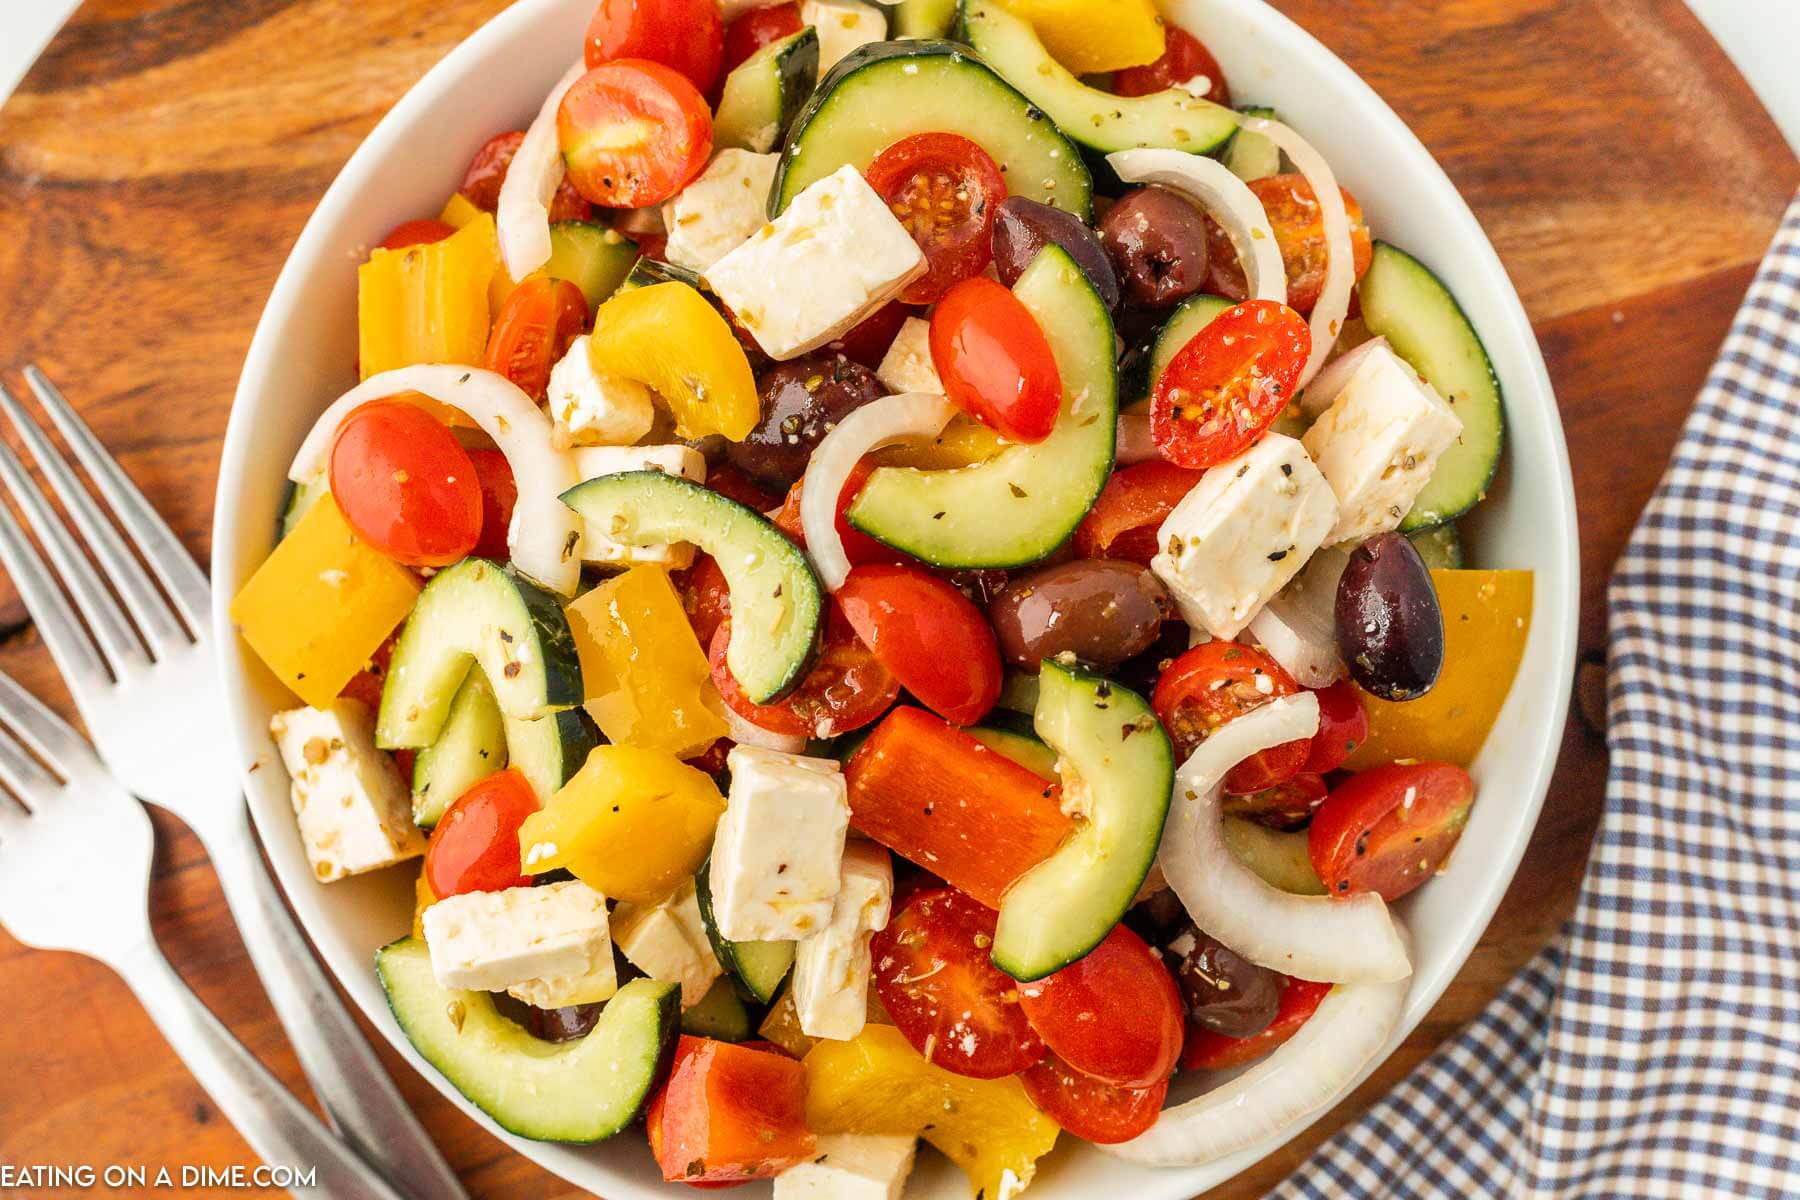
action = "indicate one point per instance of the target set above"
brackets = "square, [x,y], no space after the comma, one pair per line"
[471,747]
[720,1015]
[1172,119]
[1280,860]
[924,18]
[765,92]
[776,601]
[1441,547]
[1252,156]
[579,1092]
[1190,317]
[300,498]
[759,966]
[647,271]
[1404,302]
[1023,749]
[435,651]
[886,91]
[1112,742]
[549,750]
[1018,694]
[591,256]
[1024,503]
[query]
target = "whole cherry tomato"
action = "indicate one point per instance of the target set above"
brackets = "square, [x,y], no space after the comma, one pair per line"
[751,31]
[487,172]
[1207,1050]
[1217,682]
[1090,1108]
[1285,806]
[946,190]
[1226,386]
[633,133]
[499,492]
[1115,1014]
[405,485]
[1132,506]
[417,233]
[533,331]
[1184,59]
[931,636]
[1343,726]
[684,35]
[1388,829]
[846,689]
[995,363]
[475,847]
[1299,227]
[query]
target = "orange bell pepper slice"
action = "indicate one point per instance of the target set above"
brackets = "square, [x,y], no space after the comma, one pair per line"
[729,1113]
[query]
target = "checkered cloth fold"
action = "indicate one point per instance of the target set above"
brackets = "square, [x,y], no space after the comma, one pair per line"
[1654,1049]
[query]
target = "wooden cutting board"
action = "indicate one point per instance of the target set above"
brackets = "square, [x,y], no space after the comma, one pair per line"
[161,157]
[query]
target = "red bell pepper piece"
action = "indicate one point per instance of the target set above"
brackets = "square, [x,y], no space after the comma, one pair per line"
[729,1114]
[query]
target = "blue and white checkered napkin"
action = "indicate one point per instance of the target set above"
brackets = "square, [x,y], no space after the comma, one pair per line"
[1654,1049]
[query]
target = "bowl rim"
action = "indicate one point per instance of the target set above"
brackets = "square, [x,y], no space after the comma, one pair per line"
[1556,608]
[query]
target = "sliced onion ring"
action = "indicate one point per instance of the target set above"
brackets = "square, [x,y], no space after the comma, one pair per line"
[1133,444]
[1330,383]
[523,215]
[545,538]
[1340,265]
[1302,1077]
[876,424]
[1298,626]
[746,733]
[1226,198]
[1349,939]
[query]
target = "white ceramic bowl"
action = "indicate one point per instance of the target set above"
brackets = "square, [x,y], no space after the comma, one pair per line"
[303,355]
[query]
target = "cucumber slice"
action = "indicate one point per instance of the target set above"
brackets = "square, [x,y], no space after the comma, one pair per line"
[759,966]
[1252,156]
[1172,118]
[1027,751]
[471,747]
[765,92]
[582,1091]
[591,256]
[1441,547]
[300,498]
[1018,693]
[477,612]
[1190,317]
[1023,503]
[646,271]
[719,1015]
[1119,760]
[1405,303]
[776,601]
[885,91]
[1280,860]
[924,18]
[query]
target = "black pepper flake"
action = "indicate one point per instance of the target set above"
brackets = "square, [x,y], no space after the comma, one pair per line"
[506,637]
[1278,555]
[1017,491]
[776,594]
[465,378]
[937,516]
[511,670]
[1287,468]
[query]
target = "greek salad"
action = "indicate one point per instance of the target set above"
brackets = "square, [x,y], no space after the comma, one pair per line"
[898,566]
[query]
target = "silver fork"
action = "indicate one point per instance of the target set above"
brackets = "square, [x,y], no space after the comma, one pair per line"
[67,810]
[146,686]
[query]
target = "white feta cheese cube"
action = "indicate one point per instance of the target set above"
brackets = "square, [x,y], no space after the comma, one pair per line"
[778,848]
[831,966]
[353,809]
[835,256]
[595,408]
[718,211]
[908,366]
[850,1166]
[842,25]
[1242,532]
[591,462]
[538,938]
[667,941]
[1378,443]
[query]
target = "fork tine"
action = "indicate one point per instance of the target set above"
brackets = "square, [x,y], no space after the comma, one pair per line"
[167,557]
[142,601]
[68,642]
[21,776]
[48,735]
[117,642]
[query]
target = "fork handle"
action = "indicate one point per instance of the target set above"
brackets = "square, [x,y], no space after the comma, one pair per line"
[358,1095]
[281,1130]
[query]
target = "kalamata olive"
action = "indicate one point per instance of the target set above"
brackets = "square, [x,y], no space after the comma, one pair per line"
[1022,227]
[1389,627]
[1224,992]
[1103,611]
[1157,243]
[1141,672]
[802,400]
[549,1024]
[1158,917]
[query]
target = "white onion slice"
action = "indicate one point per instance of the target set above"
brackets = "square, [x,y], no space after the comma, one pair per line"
[1134,443]
[1333,940]
[523,215]
[545,538]
[1229,201]
[876,424]
[1303,1076]
[1298,626]
[746,733]
[1330,382]
[1340,267]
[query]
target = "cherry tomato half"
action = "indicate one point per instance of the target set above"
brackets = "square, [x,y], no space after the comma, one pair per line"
[1207,1050]
[633,133]
[934,640]
[1132,506]
[1388,829]
[1090,1108]
[1343,726]
[1114,1014]
[499,493]
[859,547]
[705,596]
[946,190]
[487,171]
[1184,58]
[933,976]
[533,331]
[405,484]
[366,685]
[475,847]
[846,689]
[995,362]
[751,31]
[1224,388]
[417,233]
[683,35]
[1299,227]
[1218,682]
[1286,806]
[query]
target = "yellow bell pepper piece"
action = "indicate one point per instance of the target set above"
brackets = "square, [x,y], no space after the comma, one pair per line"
[878,1083]
[964,442]
[642,666]
[631,824]
[1487,617]
[1091,36]
[427,304]
[321,604]
[668,338]
[459,211]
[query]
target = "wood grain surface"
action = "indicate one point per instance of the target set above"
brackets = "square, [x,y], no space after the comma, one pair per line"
[160,159]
